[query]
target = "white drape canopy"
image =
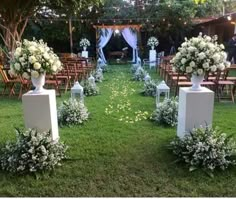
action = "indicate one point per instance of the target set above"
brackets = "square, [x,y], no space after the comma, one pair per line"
[102,42]
[130,36]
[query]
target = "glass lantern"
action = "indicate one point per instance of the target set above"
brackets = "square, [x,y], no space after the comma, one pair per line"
[91,80]
[147,78]
[162,88]
[77,92]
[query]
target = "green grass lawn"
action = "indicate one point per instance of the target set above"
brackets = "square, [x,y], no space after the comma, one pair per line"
[114,155]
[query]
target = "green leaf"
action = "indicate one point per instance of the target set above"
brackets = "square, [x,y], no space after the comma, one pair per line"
[192,168]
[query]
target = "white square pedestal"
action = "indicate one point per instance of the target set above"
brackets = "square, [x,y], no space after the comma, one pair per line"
[195,109]
[40,112]
[152,58]
[85,54]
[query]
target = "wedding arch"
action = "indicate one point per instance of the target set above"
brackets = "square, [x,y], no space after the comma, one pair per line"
[129,32]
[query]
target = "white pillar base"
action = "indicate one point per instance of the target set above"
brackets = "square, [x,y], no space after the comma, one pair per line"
[40,112]
[152,58]
[195,109]
[85,54]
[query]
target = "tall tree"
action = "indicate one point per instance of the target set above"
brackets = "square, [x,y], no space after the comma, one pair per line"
[15,14]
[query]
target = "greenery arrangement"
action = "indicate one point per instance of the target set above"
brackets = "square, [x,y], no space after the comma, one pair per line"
[166,112]
[200,55]
[149,88]
[72,112]
[139,74]
[89,88]
[32,152]
[32,58]
[205,148]
[98,75]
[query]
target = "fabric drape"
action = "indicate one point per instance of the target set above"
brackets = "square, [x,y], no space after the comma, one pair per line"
[104,38]
[132,39]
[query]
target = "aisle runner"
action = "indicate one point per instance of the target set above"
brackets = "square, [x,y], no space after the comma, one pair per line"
[119,104]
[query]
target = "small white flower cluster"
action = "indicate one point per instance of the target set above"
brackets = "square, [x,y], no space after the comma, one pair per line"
[72,112]
[200,55]
[98,75]
[153,41]
[32,58]
[32,152]
[89,88]
[84,42]
[149,88]
[205,148]
[166,112]
[139,74]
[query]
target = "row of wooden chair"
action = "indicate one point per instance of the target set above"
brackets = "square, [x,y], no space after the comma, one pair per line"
[219,81]
[74,69]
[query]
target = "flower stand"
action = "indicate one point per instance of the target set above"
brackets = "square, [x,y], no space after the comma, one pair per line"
[152,58]
[40,111]
[84,54]
[195,109]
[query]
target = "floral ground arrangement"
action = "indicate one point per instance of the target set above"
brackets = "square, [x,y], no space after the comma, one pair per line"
[109,157]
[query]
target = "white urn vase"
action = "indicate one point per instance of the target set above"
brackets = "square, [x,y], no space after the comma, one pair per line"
[38,83]
[85,48]
[152,47]
[196,82]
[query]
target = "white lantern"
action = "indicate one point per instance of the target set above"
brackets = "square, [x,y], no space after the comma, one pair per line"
[162,88]
[147,78]
[77,92]
[91,80]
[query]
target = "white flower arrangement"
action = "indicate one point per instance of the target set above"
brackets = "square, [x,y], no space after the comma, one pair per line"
[153,41]
[166,112]
[139,74]
[32,58]
[32,152]
[72,112]
[149,88]
[200,55]
[98,75]
[89,88]
[205,148]
[84,42]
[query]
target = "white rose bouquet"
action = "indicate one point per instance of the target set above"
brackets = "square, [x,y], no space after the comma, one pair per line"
[32,58]
[84,42]
[153,41]
[200,55]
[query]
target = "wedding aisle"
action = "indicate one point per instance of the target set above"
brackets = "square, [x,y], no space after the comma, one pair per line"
[118,151]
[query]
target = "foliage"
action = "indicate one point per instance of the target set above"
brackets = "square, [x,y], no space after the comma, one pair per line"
[166,112]
[98,75]
[32,152]
[205,148]
[32,58]
[89,88]
[149,88]
[72,112]
[139,74]
[200,55]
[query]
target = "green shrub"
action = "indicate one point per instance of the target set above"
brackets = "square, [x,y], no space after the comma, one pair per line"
[205,148]
[72,112]
[90,89]
[32,152]
[149,88]
[166,112]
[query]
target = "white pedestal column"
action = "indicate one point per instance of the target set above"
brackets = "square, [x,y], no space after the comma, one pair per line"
[40,112]
[152,58]
[195,109]
[85,54]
